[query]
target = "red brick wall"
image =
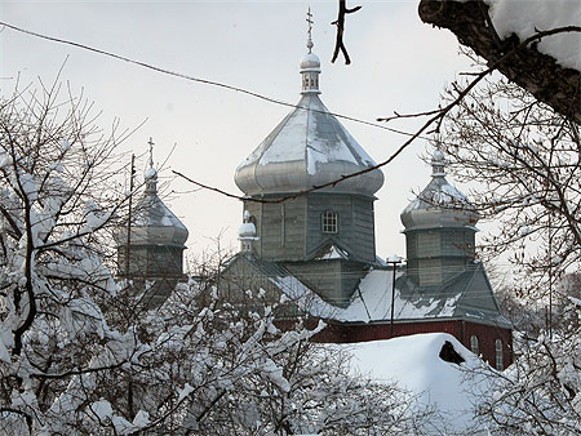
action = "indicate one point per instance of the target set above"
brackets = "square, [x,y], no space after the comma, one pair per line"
[461,330]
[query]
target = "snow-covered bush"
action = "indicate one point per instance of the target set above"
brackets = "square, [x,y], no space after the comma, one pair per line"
[80,355]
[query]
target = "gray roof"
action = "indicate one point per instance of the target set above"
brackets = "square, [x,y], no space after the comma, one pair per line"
[440,204]
[308,148]
[153,222]
[467,296]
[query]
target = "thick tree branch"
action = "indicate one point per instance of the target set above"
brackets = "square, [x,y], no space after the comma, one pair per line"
[550,83]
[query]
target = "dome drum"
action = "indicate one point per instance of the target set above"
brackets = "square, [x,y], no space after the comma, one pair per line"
[167,236]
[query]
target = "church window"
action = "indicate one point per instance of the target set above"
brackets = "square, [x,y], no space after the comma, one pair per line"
[330,222]
[499,357]
[474,346]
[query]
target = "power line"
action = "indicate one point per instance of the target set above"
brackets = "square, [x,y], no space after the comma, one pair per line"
[411,136]
[192,78]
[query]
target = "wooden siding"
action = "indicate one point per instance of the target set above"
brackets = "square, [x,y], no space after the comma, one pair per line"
[441,242]
[292,231]
[151,261]
[240,284]
[356,224]
[435,256]
[458,243]
[280,228]
[333,280]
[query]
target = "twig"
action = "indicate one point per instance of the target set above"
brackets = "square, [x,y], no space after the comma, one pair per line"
[340,23]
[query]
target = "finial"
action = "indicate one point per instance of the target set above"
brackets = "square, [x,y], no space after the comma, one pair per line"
[310,29]
[438,159]
[151,144]
[151,173]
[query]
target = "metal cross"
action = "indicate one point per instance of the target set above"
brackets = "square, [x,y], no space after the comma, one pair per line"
[310,29]
[151,144]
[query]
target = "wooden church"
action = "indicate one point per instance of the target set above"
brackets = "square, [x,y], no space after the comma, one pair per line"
[316,247]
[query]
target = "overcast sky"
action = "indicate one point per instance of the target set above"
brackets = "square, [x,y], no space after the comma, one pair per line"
[399,64]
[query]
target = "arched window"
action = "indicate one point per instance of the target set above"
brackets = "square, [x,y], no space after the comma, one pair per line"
[330,222]
[499,354]
[474,346]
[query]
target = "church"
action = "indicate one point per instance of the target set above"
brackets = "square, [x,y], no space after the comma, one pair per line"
[308,240]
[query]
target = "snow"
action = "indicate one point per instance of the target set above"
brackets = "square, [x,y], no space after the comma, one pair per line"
[4,159]
[371,302]
[4,355]
[187,390]
[102,409]
[247,230]
[413,362]
[312,143]
[29,186]
[65,145]
[310,60]
[150,173]
[524,230]
[439,194]
[335,253]
[141,419]
[526,18]
[452,194]
[94,221]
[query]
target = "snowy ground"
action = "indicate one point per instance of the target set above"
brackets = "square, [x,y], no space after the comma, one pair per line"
[413,362]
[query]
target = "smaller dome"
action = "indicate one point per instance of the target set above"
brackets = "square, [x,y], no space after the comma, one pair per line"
[150,173]
[153,222]
[438,155]
[310,62]
[247,230]
[440,204]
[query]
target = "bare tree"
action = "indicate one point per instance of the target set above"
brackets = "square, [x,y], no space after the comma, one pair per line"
[525,159]
[80,355]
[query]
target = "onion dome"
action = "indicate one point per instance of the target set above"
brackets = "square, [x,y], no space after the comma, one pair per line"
[440,204]
[247,229]
[247,233]
[308,148]
[154,223]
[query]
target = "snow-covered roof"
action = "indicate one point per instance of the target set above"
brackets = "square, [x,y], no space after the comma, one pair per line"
[153,222]
[333,252]
[440,204]
[247,230]
[413,363]
[308,148]
[468,296]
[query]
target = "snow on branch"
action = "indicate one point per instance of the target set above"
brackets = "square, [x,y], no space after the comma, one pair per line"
[551,76]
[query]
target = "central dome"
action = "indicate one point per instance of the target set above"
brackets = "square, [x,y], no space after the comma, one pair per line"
[308,148]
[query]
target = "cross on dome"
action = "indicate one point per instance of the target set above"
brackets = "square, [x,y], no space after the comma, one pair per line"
[310,22]
[310,64]
[151,172]
[151,144]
